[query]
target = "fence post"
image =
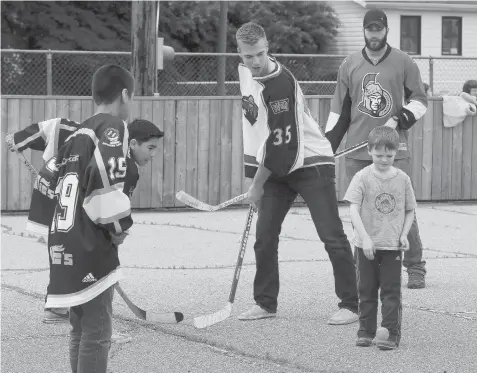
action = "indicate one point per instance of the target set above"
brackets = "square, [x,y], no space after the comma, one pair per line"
[431,74]
[221,71]
[49,74]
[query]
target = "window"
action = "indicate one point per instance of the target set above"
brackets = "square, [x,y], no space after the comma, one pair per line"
[411,34]
[452,36]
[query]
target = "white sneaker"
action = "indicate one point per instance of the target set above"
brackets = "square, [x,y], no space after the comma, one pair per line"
[256,313]
[343,317]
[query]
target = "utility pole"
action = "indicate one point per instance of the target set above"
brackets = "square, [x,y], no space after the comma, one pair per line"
[143,46]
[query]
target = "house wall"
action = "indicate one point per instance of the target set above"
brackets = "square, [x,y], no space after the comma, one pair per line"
[449,74]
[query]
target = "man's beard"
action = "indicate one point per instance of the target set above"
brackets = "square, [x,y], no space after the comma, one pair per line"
[381,44]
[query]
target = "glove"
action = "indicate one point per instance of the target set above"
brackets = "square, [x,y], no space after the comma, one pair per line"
[10,142]
[118,239]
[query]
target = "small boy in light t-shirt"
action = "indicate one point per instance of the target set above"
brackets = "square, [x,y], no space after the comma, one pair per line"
[382,210]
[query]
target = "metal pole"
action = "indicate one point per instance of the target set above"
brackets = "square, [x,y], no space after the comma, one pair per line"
[222,48]
[156,81]
[49,74]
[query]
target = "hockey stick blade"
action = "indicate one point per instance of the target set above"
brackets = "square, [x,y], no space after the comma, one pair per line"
[204,321]
[199,205]
[152,317]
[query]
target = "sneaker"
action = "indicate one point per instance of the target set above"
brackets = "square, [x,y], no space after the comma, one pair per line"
[256,313]
[416,280]
[364,341]
[383,341]
[119,338]
[343,317]
[55,315]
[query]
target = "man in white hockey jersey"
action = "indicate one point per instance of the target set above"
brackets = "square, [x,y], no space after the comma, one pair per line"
[379,85]
[287,154]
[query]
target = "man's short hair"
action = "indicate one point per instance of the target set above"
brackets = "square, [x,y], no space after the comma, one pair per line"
[468,85]
[383,136]
[143,130]
[250,33]
[108,83]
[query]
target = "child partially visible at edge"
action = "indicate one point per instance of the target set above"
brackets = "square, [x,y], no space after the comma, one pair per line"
[382,210]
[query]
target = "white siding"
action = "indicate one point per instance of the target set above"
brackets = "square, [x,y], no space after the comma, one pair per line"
[350,34]
[449,75]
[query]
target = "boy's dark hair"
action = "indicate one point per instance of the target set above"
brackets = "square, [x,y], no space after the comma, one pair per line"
[468,85]
[108,83]
[142,130]
[383,136]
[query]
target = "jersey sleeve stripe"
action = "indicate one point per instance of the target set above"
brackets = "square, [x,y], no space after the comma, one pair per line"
[107,207]
[27,140]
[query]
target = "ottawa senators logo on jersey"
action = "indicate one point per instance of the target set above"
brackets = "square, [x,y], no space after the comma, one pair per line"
[376,101]
[250,109]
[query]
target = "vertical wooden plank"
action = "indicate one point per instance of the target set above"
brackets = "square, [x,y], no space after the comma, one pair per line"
[134,113]
[237,148]
[14,164]
[474,158]
[5,155]
[192,129]
[86,110]
[157,163]
[225,150]
[38,115]
[50,109]
[203,149]
[467,158]
[456,164]
[26,185]
[436,187]
[427,150]
[168,190]
[75,110]
[181,148]
[145,183]
[214,151]
[446,163]
[63,109]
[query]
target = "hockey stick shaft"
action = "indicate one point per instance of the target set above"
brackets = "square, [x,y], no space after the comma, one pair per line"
[199,205]
[243,247]
[351,149]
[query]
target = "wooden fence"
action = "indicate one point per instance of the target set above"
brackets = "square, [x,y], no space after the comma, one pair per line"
[202,149]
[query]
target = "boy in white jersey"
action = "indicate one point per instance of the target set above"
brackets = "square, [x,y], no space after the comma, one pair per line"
[382,211]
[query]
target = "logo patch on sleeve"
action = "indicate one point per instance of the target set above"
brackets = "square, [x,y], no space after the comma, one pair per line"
[250,109]
[111,137]
[279,106]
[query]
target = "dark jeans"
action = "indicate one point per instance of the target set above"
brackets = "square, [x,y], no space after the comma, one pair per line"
[316,185]
[90,336]
[383,272]
[413,257]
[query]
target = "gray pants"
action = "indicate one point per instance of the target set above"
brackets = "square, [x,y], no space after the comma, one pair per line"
[413,257]
[90,336]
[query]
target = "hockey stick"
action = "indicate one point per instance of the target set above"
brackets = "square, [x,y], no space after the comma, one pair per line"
[204,321]
[164,318]
[199,205]
[150,316]
[351,149]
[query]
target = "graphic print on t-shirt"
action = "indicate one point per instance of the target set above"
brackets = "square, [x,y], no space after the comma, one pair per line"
[376,101]
[385,203]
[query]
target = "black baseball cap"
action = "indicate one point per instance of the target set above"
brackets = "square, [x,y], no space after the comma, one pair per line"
[143,130]
[375,16]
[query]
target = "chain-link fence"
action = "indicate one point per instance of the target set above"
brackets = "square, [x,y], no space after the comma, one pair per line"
[198,74]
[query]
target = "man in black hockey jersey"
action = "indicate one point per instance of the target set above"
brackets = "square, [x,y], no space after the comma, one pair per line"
[379,85]
[286,154]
